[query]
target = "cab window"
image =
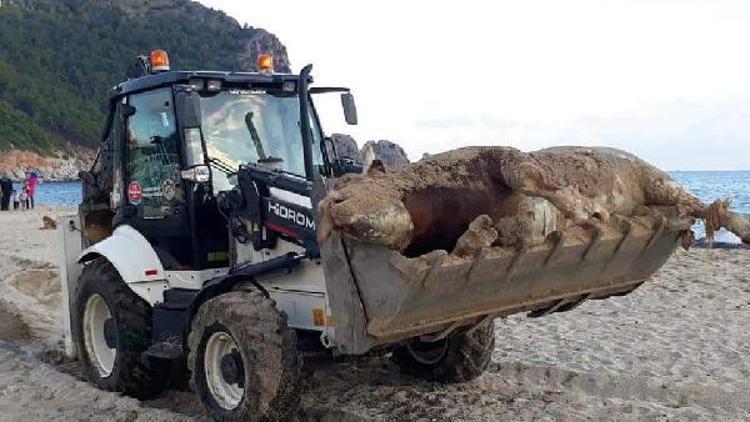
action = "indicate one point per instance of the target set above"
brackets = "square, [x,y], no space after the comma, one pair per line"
[250,126]
[153,164]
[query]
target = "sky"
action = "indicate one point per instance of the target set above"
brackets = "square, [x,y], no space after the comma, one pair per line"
[667,80]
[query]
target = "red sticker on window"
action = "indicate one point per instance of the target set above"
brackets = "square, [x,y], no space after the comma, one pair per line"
[135,194]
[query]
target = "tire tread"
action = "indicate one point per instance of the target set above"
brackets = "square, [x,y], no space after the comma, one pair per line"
[132,374]
[260,331]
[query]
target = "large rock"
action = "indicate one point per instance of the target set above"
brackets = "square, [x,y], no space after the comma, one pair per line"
[390,153]
[346,146]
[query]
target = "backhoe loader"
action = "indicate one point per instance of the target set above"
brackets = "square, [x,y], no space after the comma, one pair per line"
[196,248]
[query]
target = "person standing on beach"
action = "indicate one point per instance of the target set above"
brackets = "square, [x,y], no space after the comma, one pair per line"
[6,185]
[31,182]
[16,199]
[24,198]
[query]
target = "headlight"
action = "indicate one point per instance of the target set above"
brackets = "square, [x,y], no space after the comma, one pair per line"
[197,84]
[213,86]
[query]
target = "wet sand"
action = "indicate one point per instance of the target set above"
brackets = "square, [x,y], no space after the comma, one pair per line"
[677,348]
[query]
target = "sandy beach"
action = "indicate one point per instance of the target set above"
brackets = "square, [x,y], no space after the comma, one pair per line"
[678,348]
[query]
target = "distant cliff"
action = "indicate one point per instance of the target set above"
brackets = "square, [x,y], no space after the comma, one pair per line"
[59,58]
[390,153]
[15,164]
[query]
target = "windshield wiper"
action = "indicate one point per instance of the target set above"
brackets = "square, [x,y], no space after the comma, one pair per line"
[254,135]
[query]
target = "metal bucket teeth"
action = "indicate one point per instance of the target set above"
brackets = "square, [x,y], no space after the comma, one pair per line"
[379,296]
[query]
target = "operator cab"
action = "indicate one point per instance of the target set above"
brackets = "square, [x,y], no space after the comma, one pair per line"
[174,145]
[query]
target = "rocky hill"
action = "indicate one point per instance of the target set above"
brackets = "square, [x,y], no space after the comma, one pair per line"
[390,153]
[58,59]
[59,166]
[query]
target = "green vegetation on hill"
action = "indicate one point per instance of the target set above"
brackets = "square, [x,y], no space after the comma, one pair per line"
[19,131]
[59,58]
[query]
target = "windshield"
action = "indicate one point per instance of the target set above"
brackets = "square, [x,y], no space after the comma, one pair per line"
[242,126]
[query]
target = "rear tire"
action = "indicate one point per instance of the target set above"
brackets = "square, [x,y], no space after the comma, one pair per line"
[459,358]
[108,313]
[244,359]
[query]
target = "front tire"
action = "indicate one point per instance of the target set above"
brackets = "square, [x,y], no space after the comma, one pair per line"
[461,357]
[243,359]
[112,329]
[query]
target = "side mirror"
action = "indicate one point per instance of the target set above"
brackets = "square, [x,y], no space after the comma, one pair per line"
[350,108]
[188,106]
[193,147]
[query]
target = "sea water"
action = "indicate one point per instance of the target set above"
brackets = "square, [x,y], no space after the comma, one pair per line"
[706,185]
[67,194]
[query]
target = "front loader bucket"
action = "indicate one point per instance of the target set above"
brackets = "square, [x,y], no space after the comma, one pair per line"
[378,296]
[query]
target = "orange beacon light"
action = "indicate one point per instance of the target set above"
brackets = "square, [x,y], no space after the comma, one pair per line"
[159,61]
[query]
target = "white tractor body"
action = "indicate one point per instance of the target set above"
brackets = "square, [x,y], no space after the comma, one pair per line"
[300,294]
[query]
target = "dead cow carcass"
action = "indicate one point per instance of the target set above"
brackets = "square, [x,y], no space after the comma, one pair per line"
[487,231]
[528,196]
